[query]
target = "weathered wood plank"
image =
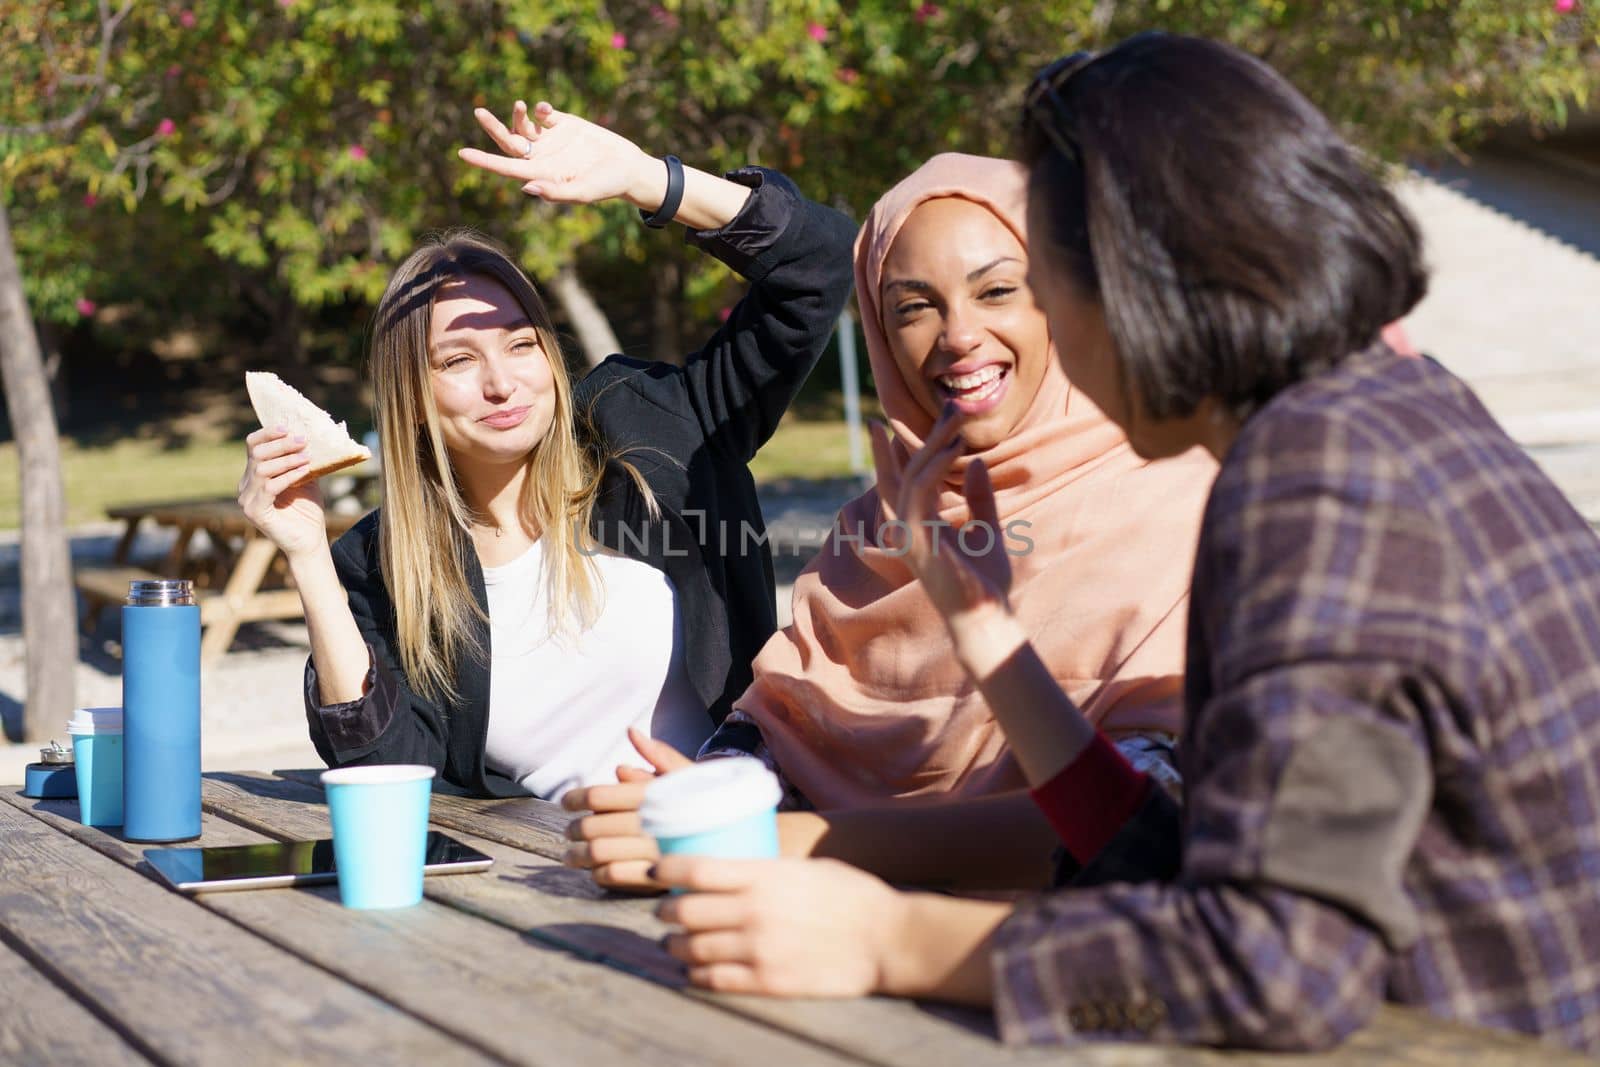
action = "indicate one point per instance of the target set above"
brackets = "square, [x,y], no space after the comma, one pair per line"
[529,824]
[185,984]
[41,1023]
[484,983]
[568,909]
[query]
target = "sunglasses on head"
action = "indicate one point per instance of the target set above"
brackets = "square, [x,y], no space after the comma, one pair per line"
[1044,108]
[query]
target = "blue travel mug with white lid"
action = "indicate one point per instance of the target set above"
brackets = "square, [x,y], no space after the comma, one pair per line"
[160,711]
[725,807]
[97,750]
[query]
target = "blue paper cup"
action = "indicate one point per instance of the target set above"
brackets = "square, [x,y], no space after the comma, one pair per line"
[380,832]
[97,754]
[723,807]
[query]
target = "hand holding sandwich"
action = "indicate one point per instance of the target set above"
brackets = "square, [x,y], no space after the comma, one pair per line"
[297,444]
[276,495]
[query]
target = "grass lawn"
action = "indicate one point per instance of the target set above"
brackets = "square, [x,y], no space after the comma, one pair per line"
[136,470]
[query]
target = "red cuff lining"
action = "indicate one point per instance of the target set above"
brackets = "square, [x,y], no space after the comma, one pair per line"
[1090,799]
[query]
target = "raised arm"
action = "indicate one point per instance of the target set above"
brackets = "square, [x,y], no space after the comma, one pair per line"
[568,160]
[795,253]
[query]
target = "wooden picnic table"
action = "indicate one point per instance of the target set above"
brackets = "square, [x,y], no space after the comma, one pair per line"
[238,579]
[527,963]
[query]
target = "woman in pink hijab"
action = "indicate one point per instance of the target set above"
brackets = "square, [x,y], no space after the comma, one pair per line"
[860,701]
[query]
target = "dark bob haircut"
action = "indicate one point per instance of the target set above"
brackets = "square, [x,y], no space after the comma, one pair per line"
[1236,242]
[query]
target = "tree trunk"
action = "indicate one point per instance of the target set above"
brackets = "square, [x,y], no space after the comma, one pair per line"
[595,335]
[666,304]
[49,632]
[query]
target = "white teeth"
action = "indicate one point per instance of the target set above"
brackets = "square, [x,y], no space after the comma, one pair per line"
[969,383]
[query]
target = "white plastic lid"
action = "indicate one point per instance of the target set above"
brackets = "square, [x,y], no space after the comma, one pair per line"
[95,721]
[377,774]
[708,796]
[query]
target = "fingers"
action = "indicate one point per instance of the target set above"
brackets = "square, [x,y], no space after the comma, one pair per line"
[698,912]
[726,978]
[545,114]
[635,774]
[631,876]
[268,469]
[927,471]
[662,756]
[510,143]
[979,491]
[511,166]
[521,124]
[615,824]
[270,444]
[602,798]
[716,946]
[707,874]
[887,462]
[597,853]
[265,434]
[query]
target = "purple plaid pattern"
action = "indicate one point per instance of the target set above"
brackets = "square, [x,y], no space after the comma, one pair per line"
[1392,762]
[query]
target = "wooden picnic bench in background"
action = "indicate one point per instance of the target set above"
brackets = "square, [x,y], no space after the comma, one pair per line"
[239,578]
[526,963]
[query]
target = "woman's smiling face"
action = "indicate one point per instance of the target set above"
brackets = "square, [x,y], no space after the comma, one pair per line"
[961,322]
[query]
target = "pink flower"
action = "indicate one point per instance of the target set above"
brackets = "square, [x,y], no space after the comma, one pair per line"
[619,40]
[1565,7]
[186,19]
[664,17]
[85,306]
[174,70]
[166,128]
[927,11]
[848,75]
[90,200]
[724,313]
[357,153]
[818,31]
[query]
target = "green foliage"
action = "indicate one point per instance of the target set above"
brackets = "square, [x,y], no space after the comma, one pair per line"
[285,154]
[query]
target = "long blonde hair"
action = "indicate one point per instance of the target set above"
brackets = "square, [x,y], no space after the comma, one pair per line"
[422,529]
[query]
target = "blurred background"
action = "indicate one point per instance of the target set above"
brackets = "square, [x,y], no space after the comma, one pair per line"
[195,188]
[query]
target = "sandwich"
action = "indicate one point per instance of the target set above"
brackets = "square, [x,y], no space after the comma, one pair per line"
[329,445]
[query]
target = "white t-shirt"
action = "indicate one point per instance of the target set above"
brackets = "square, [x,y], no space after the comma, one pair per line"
[560,704]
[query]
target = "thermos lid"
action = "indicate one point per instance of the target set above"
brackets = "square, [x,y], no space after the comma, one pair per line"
[160,592]
[55,753]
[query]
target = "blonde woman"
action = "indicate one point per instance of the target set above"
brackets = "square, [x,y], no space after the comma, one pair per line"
[555,562]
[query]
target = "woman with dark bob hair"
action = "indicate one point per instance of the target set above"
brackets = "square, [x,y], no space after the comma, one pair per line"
[1392,696]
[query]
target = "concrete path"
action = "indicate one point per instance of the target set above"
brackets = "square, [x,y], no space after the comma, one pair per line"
[1514,304]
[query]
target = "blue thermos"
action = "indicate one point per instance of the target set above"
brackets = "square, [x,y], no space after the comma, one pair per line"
[160,711]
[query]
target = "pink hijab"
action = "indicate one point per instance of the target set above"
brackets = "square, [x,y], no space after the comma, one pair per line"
[861,699]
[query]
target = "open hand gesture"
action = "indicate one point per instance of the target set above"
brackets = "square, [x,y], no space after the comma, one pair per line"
[562,158]
[964,570]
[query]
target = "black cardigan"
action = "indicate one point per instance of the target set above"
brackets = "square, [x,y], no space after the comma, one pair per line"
[692,431]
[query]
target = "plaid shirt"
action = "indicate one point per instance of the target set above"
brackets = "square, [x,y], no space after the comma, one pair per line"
[1392,761]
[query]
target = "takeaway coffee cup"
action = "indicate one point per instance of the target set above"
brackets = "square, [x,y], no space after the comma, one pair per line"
[380,832]
[97,752]
[723,807]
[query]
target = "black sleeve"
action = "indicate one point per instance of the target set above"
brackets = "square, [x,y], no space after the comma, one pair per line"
[796,255]
[389,723]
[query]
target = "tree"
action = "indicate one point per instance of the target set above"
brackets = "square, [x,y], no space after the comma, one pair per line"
[307,146]
[49,634]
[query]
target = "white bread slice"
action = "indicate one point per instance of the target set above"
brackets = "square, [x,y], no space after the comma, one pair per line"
[329,445]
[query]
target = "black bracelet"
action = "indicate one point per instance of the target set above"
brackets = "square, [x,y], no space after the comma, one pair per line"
[669,207]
